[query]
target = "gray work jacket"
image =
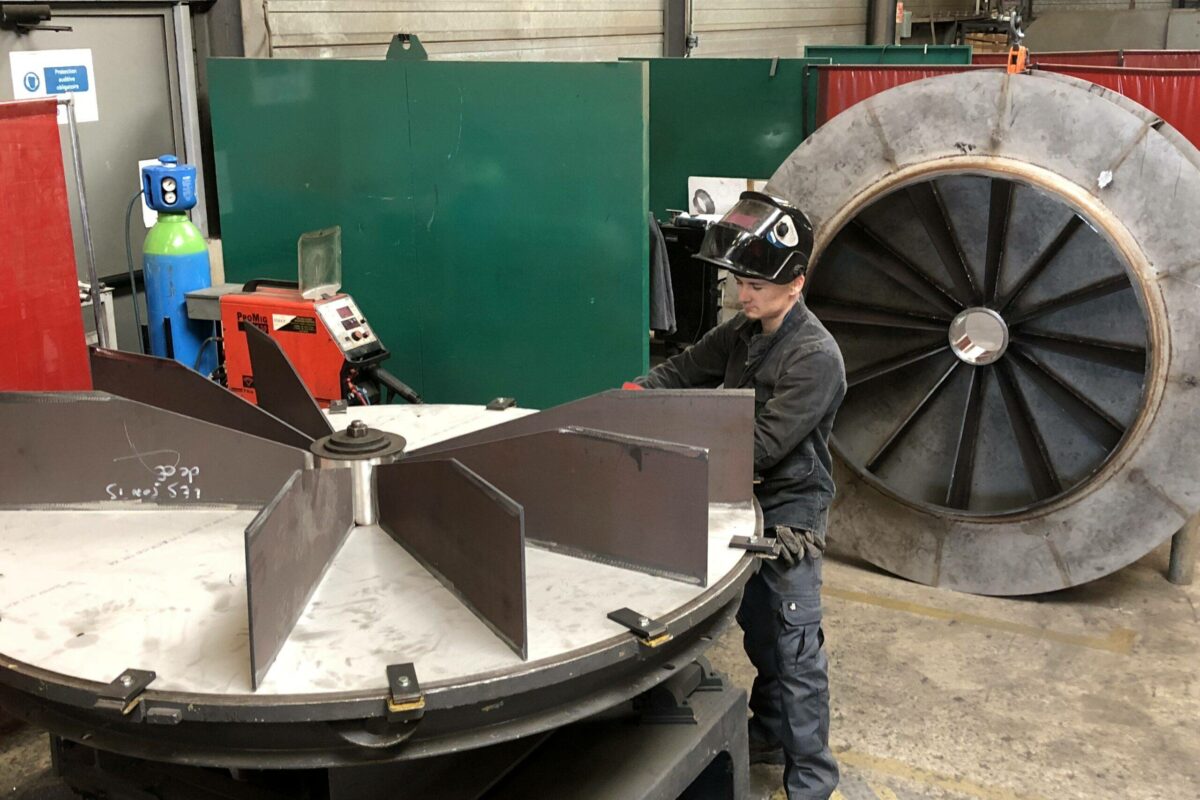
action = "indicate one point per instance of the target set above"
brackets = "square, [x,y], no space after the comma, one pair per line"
[799,381]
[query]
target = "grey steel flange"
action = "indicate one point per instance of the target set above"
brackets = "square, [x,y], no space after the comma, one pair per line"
[1007,264]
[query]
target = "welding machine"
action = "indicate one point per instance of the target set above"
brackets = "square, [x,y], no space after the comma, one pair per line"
[322,330]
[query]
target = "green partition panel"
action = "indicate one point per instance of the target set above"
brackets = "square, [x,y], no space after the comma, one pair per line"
[722,117]
[493,214]
[942,54]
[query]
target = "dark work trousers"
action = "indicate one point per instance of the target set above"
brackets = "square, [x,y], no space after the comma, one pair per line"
[781,617]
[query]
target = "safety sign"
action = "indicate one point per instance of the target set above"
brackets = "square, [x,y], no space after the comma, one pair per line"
[54,73]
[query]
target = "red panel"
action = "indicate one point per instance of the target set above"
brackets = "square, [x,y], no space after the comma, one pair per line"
[1173,94]
[1148,59]
[40,319]
[1093,58]
[989,59]
[841,86]
[1163,59]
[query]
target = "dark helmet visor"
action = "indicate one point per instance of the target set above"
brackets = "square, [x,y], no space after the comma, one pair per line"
[759,240]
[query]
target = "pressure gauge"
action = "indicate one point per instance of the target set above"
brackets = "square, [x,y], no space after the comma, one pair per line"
[169,197]
[168,184]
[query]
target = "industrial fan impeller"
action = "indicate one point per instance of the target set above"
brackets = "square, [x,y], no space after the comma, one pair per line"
[1000,260]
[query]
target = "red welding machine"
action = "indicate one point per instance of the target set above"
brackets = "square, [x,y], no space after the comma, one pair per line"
[331,346]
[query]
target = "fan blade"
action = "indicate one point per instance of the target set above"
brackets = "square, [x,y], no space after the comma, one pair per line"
[720,420]
[289,546]
[278,388]
[171,386]
[78,447]
[466,533]
[635,503]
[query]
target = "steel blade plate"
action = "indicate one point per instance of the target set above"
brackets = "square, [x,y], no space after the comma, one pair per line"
[632,502]
[169,385]
[466,532]
[289,546]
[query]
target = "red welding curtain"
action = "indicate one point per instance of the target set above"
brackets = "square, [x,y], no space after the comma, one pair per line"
[1173,94]
[42,327]
[1148,59]
[841,86]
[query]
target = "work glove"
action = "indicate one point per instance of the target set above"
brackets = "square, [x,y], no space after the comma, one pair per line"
[794,545]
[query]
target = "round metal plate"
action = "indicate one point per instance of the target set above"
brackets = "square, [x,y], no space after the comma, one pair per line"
[164,590]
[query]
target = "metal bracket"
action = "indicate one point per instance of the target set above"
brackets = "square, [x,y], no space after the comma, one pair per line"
[650,632]
[763,546]
[406,47]
[124,694]
[405,700]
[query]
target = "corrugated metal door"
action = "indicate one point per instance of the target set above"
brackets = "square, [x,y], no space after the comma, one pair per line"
[775,27]
[543,30]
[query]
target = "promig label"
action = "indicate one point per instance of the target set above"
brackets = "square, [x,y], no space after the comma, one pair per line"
[259,321]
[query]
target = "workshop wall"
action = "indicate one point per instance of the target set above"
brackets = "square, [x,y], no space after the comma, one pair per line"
[775,29]
[543,30]
[531,30]
[938,9]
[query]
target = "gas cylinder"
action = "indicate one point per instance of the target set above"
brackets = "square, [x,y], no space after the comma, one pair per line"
[175,262]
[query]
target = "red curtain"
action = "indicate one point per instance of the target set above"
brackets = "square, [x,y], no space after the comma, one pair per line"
[1149,59]
[1096,58]
[841,86]
[1162,59]
[1173,94]
[40,320]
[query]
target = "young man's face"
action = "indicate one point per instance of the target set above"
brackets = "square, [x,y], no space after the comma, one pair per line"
[766,300]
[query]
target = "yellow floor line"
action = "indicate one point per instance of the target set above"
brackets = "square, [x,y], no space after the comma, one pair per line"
[1119,640]
[898,769]
[882,792]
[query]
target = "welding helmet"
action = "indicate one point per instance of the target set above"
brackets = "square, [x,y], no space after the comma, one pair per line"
[762,238]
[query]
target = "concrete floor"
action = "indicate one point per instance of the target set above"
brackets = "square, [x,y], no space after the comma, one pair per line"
[1086,694]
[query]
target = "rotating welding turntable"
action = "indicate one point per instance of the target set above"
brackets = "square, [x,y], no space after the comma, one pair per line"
[423,599]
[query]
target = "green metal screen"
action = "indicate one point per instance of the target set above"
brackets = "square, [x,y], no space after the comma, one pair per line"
[493,214]
[721,117]
[899,54]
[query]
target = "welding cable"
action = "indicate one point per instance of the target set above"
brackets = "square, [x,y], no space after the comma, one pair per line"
[200,352]
[354,390]
[137,316]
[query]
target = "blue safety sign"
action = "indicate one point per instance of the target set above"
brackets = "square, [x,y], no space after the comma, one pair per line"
[55,74]
[60,80]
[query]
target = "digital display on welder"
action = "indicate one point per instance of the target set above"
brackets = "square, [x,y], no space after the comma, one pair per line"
[349,324]
[344,312]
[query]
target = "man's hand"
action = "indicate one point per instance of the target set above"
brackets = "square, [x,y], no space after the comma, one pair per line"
[793,545]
